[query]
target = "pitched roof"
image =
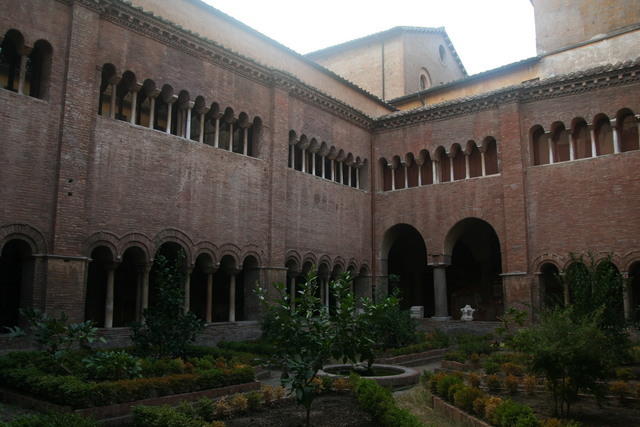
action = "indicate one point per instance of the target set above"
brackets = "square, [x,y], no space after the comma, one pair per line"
[383,35]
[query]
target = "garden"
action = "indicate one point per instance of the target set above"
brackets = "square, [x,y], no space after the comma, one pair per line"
[577,365]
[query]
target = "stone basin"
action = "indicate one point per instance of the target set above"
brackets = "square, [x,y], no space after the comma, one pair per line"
[398,376]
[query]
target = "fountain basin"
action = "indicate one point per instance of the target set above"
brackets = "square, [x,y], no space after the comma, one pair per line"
[393,376]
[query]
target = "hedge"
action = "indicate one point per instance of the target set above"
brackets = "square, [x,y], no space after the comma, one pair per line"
[51,420]
[378,401]
[72,391]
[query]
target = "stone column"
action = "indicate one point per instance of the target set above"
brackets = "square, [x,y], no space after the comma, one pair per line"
[152,106]
[358,178]
[451,177]
[216,134]
[592,134]
[24,55]
[333,170]
[202,117]
[467,173]
[419,175]
[187,289]
[406,175]
[114,93]
[232,295]
[627,296]
[304,160]
[108,307]
[187,133]
[349,175]
[616,136]
[142,295]
[313,163]
[134,102]
[393,178]
[209,271]
[321,166]
[292,286]
[434,171]
[170,102]
[483,163]
[231,136]
[572,146]
[550,147]
[440,292]
[245,141]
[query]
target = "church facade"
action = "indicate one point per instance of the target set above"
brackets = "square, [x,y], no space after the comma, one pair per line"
[132,129]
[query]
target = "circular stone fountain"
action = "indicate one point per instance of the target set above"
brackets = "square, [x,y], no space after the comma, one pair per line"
[393,376]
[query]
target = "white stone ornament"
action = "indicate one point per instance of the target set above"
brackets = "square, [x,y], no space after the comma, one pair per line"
[467,313]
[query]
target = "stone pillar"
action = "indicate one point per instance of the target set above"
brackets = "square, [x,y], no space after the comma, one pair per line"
[134,103]
[616,136]
[209,271]
[483,163]
[114,93]
[232,295]
[216,134]
[572,146]
[393,178]
[292,286]
[24,52]
[550,147]
[467,173]
[434,171]
[358,177]
[406,175]
[333,170]
[592,134]
[152,106]
[231,136]
[201,135]
[349,175]
[304,160]
[245,141]
[321,166]
[313,163]
[187,133]
[187,289]
[627,296]
[419,175]
[440,292]
[169,111]
[108,306]
[451,177]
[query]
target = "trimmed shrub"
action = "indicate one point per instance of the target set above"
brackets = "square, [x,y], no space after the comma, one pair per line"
[511,384]
[490,407]
[479,406]
[624,374]
[530,383]
[474,380]
[379,402]
[492,382]
[51,420]
[465,396]
[452,391]
[222,408]
[162,416]
[510,368]
[456,356]
[433,382]
[620,389]
[513,414]
[112,366]
[444,383]
[254,400]
[239,403]
[491,367]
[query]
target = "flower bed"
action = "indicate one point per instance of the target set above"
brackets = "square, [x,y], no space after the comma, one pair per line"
[32,373]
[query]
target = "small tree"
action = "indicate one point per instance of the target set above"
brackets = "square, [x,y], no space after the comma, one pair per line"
[302,336]
[572,352]
[167,329]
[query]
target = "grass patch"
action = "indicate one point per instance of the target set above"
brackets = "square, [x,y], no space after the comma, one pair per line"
[417,401]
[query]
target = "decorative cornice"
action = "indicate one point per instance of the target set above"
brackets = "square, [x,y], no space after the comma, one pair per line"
[564,85]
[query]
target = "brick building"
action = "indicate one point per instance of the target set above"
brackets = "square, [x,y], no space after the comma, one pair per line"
[136,128]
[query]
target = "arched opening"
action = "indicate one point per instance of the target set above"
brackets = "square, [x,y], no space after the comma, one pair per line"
[407,268]
[628,129]
[247,303]
[610,289]
[16,281]
[398,172]
[459,166]
[175,257]
[227,124]
[475,160]
[582,139]
[128,288]
[106,102]
[124,96]
[362,283]
[324,275]
[412,171]
[577,278]
[10,60]
[551,287]
[426,170]
[634,291]
[212,125]
[143,109]
[444,168]
[540,146]
[476,265]
[201,287]
[424,80]
[560,143]
[38,70]
[491,156]
[100,267]
[162,108]
[604,135]
[386,175]
[254,134]
[222,295]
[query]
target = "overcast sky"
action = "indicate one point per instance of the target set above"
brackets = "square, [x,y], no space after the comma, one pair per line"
[486,33]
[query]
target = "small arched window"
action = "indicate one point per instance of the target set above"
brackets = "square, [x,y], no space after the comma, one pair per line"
[38,70]
[10,60]
[424,79]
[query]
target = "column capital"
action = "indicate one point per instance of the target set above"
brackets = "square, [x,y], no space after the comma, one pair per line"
[209,269]
[25,50]
[439,260]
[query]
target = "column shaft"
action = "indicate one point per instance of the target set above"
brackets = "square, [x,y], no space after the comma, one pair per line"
[616,139]
[393,179]
[406,175]
[112,107]
[232,297]
[216,135]
[313,163]
[201,135]
[484,164]
[434,172]
[451,177]
[187,133]
[169,108]
[440,293]
[209,308]
[592,134]
[230,136]
[304,160]
[572,147]
[550,146]
[419,175]
[467,173]
[187,291]
[245,141]
[108,308]
[23,70]
[292,285]
[134,102]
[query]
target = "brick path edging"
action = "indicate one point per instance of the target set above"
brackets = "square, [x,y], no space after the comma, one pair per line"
[456,415]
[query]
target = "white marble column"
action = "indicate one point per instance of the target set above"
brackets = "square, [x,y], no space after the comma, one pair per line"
[358,178]
[134,103]
[23,70]
[245,141]
[108,307]
[216,134]
[313,163]
[483,163]
[406,175]
[349,175]
[333,170]
[201,125]
[434,171]
[616,136]
[550,147]
[153,96]
[393,178]
[170,103]
[419,175]
[187,132]
[451,177]
[304,160]
[230,136]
